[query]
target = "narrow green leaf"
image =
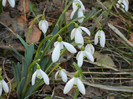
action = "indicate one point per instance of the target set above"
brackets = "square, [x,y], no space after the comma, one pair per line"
[15,51]
[23,42]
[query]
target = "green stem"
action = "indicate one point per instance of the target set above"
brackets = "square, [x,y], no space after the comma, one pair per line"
[76,94]
[53,69]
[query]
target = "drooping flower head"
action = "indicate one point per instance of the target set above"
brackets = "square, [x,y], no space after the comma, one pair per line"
[74,81]
[41,75]
[77,34]
[62,73]
[83,53]
[43,25]
[60,45]
[90,48]
[123,4]
[11,2]
[100,35]
[78,5]
[3,85]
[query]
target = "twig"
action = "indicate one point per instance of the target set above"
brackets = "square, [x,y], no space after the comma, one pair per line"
[9,29]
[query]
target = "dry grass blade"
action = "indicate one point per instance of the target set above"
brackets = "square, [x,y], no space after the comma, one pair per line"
[120,34]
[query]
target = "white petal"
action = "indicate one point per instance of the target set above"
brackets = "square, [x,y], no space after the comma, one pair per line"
[73,33]
[102,39]
[74,6]
[81,86]
[78,38]
[45,77]
[82,6]
[12,3]
[56,74]
[56,43]
[80,59]
[69,47]
[44,27]
[72,14]
[126,4]
[89,56]
[80,14]
[96,37]
[78,54]
[4,3]
[56,53]
[5,86]
[90,48]
[40,25]
[0,90]
[34,77]
[85,29]
[63,76]
[46,23]
[68,86]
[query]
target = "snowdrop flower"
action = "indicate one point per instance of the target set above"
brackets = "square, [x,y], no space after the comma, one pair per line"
[78,5]
[74,81]
[77,34]
[11,2]
[81,55]
[100,35]
[40,74]
[3,85]
[43,25]
[62,73]
[90,48]
[123,4]
[60,45]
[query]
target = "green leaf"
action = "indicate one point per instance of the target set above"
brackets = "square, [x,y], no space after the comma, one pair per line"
[23,42]
[55,30]
[15,51]
[17,72]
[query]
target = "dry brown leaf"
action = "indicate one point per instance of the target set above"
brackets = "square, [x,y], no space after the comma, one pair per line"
[24,6]
[34,35]
[131,38]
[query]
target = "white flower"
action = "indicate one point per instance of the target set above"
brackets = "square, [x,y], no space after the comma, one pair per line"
[43,25]
[77,35]
[60,45]
[4,86]
[40,74]
[11,2]
[123,4]
[90,48]
[78,4]
[81,55]
[77,82]
[62,73]
[100,35]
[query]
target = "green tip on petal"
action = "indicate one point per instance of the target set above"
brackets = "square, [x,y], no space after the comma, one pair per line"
[82,48]
[38,66]
[76,25]
[78,5]
[60,68]
[59,39]
[99,36]
[1,78]
[76,74]
[43,18]
[89,42]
